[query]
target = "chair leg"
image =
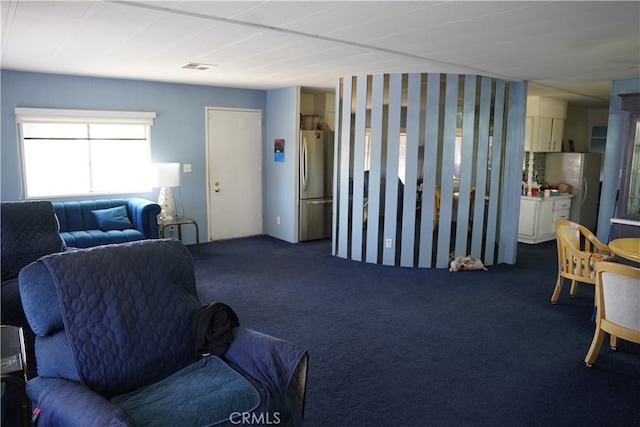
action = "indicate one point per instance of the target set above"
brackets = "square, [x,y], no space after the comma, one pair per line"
[596,343]
[613,342]
[574,289]
[557,289]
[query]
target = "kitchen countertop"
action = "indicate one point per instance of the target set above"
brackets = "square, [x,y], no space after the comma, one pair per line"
[539,199]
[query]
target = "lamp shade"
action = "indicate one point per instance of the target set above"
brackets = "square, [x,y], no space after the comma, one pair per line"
[166,174]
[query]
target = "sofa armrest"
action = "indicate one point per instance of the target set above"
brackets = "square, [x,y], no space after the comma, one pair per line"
[280,366]
[72,404]
[144,215]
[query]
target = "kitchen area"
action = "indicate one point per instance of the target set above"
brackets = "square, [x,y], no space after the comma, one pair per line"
[561,180]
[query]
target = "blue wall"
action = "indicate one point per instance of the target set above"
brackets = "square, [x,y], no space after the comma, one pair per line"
[178,134]
[280,178]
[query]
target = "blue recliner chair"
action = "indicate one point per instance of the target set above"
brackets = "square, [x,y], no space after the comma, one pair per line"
[114,346]
[29,231]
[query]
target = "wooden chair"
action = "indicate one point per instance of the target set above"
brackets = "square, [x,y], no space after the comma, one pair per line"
[578,251]
[617,304]
[436,207]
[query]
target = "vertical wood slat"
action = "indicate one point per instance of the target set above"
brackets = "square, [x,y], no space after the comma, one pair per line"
[411,171]
[373,204]
[430,166]
[446,179]
[391,175]
[514,150]
[466,162]
[357,217]
[344,148]
[496,162]
[336,175]
[482,158]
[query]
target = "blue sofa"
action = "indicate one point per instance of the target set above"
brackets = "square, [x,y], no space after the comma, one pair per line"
[89,223]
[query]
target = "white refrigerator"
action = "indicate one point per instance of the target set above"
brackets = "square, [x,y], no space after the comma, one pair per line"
[582,172]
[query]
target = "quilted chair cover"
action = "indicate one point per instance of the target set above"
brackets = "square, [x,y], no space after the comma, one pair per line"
[29,231]
[113,324]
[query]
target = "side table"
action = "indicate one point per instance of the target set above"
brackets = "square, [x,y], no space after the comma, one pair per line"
[179,221]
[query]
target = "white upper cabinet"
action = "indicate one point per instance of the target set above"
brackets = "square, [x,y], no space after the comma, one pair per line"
[544,124]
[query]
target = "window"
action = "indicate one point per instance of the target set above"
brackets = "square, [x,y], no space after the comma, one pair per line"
[402,154]
[598,144]
[72,152]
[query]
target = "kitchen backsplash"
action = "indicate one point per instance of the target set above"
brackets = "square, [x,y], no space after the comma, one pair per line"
[538,165]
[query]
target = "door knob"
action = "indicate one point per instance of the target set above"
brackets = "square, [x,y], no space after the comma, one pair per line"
[216,188]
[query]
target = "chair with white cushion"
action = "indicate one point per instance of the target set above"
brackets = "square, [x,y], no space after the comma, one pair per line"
[618,306]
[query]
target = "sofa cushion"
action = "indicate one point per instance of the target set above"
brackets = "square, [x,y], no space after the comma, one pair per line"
[205,393]
[90,238]
[112,218]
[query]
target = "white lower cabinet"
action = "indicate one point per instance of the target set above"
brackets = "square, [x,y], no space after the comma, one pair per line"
[538,217]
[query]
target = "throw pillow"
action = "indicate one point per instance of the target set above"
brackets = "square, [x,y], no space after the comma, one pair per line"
[112,218]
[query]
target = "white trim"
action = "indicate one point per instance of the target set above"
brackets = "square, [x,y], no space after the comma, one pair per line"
[49,115]
[624,222]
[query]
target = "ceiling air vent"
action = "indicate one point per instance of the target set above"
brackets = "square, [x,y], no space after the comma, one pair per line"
[196,66]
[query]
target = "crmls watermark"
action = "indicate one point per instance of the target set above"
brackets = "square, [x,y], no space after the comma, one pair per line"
[261,418]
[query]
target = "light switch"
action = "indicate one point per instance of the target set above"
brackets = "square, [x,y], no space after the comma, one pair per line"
[186,167]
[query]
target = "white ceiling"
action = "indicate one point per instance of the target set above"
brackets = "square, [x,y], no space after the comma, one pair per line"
[570,50]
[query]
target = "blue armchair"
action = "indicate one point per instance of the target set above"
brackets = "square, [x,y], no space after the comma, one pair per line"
[114,346]
[90,223]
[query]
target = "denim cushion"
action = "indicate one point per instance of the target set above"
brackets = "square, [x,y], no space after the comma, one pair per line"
[205,393]
[112,218]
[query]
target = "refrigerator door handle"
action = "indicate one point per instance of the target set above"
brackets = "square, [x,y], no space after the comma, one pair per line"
[304,163]
[586,190]
[319,202]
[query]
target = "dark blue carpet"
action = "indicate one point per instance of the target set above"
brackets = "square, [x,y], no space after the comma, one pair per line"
[393,346]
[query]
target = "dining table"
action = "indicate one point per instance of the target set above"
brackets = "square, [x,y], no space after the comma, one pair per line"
[627,247]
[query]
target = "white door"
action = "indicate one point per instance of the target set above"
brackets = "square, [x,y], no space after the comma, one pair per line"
[234,151]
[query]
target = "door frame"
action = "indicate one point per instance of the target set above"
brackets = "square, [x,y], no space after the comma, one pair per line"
[208,165]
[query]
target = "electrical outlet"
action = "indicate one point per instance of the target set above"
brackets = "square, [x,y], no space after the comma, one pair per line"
[278,220]
[388,243]
[186,167]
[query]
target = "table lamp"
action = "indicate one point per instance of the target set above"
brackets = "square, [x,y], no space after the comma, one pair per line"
[166,175]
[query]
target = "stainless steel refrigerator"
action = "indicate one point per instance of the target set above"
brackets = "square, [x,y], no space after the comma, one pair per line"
[582,172]
[316,184]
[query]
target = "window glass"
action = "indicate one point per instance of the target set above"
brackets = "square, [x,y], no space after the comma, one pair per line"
[114,172]
[118,132]
[65,159]
[55,167]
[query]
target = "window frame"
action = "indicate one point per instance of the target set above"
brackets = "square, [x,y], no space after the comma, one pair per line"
[84,117]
